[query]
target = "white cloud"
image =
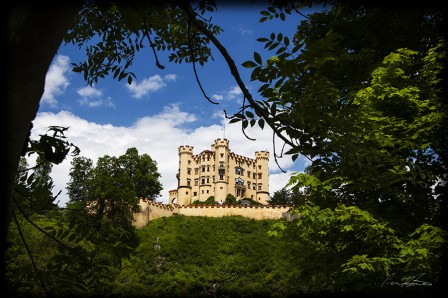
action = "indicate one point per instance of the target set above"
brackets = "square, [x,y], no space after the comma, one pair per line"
[151,84]
[218,96]
[234,92]
[231,93]
[89,91]
[159,136]
[170,77]
[91,97]
[56,80]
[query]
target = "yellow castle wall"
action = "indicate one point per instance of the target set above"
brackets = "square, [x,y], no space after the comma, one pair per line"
[151,210]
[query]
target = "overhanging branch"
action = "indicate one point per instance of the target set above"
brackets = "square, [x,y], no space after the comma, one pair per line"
[233,70]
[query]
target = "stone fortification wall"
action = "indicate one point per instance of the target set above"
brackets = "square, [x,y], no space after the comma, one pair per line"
[151,210]
[255,212]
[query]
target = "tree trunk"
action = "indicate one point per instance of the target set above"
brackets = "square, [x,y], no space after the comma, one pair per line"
[35,31]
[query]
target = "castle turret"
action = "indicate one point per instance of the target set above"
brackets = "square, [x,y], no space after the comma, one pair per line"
[221,148]
[173,197]
[262,168]
[184,175]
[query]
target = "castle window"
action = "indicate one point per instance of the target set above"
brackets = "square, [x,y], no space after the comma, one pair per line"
[189,171]
[208,158]
[239,181]
[208,179]
[253,176]
[203,168]
[259,175]
[238,170]
[196,181]
[202,191]
[208,168]
[196,171]
[188,182]
[222,155]
[221,177]
[195,193]
[253,186]
[207,191]
[213,179]
[259,167]
[189,162]
[259,186]
[248,174]
[186,193]
[248,184]
[203,158]
[202,180]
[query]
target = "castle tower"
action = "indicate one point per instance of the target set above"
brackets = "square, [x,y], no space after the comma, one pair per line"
[172,199]
[262,168]
[184,174]
[221,148]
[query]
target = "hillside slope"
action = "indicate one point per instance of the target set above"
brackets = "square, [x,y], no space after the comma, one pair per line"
[199,256]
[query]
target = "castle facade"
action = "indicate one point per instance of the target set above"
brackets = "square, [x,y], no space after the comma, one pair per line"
[219,172]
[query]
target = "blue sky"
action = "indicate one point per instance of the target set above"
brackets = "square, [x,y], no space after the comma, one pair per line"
[163,109]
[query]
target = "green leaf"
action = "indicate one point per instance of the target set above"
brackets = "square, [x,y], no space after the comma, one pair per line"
[257,58]
[248,64]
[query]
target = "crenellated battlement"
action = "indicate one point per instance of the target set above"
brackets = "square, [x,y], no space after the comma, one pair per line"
[262,155]
[186,149]
[221,143]
[233,206]
[152,210]
[240,159]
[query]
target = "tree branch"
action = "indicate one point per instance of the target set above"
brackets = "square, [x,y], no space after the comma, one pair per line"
[160,66]
[194,67]
[233,69]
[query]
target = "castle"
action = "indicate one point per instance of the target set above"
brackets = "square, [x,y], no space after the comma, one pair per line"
[219,172]
[216,172]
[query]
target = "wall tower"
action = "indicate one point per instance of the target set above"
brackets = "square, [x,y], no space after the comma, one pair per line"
[262,167]
[221,148]
[183,175]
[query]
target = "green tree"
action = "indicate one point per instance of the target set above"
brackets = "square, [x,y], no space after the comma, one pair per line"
[287,196]
[112,198]
[110,191]
[210,200]
[80,171]
[230,200]
[372,132]
[347,249]
[142,170]
[77,189]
